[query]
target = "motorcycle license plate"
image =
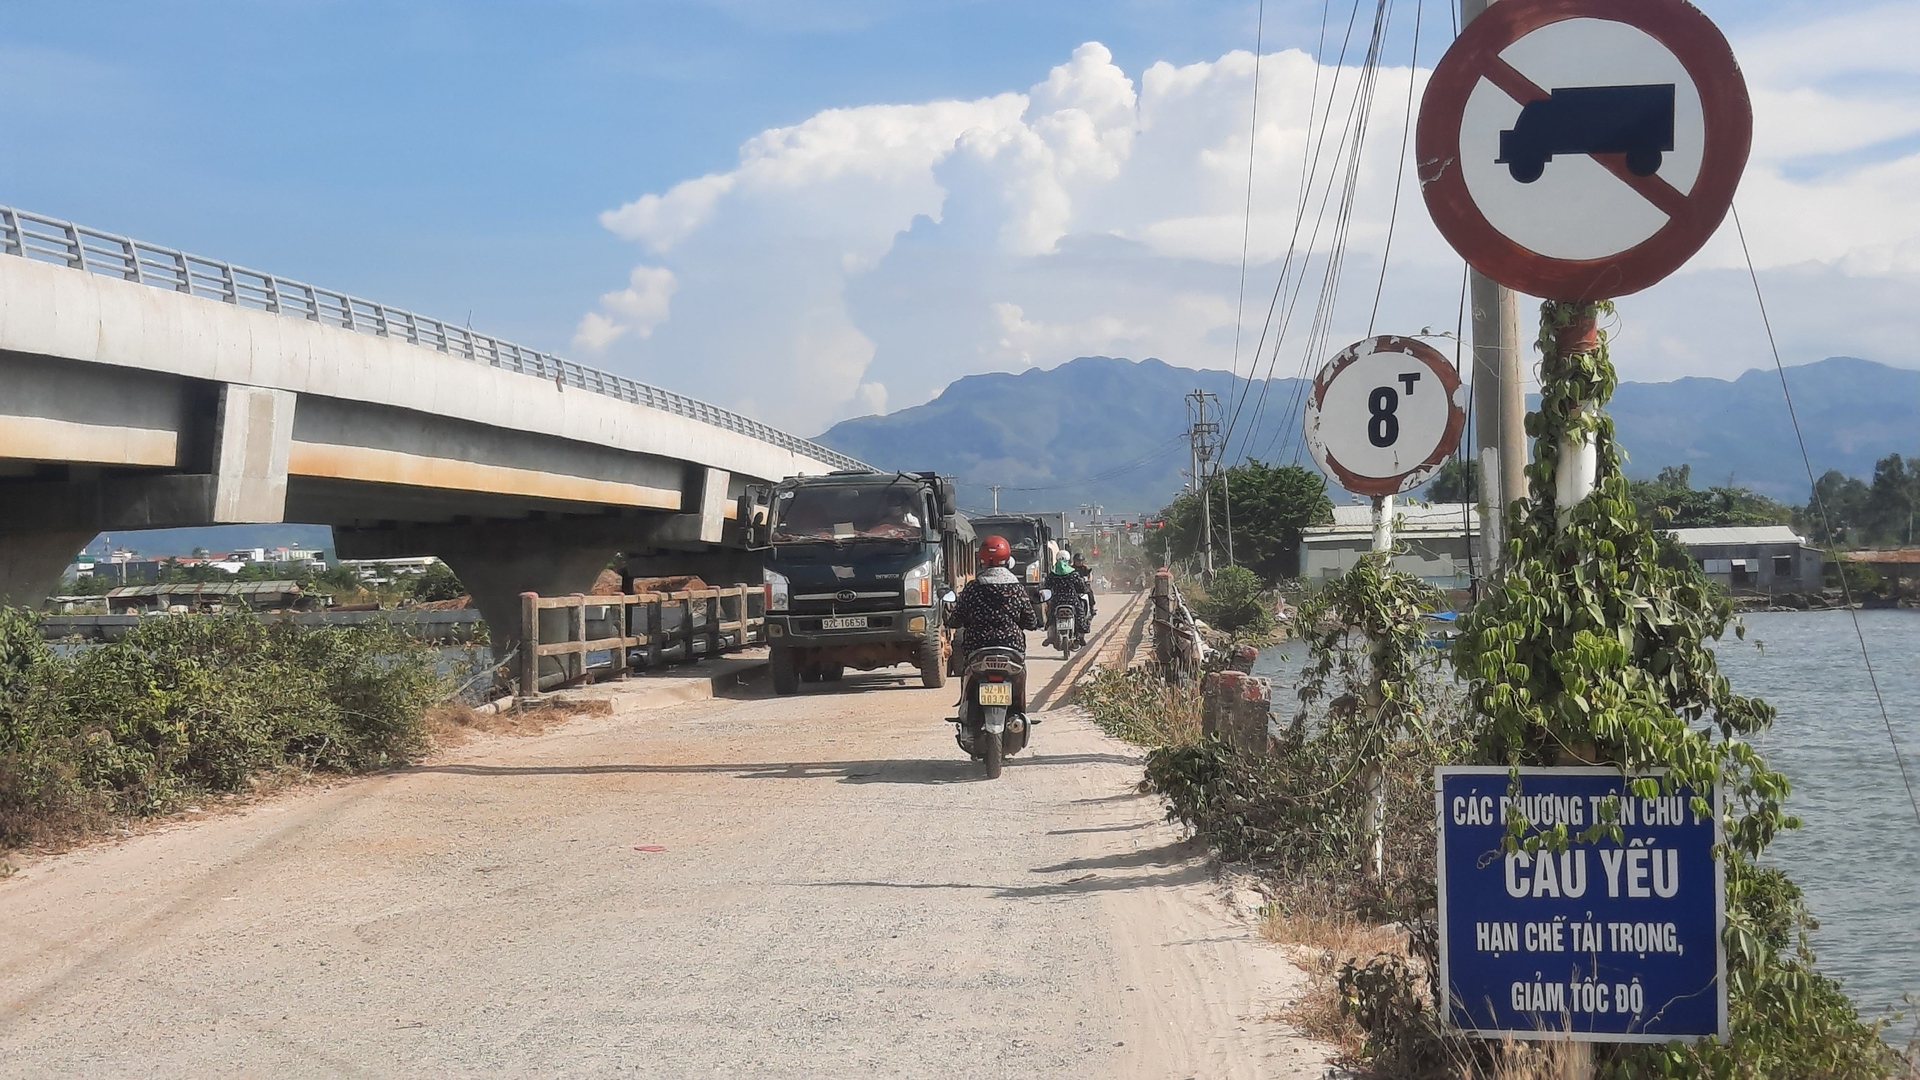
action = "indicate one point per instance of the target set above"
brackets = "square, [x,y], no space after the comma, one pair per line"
[994,693]
[844,622]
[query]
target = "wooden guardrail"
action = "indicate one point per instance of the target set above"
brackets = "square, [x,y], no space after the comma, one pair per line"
[557,632]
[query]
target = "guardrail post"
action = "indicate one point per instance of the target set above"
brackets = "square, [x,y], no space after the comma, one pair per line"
[577,633]
[529,645]
[620,613]
[714,611]
[686,626]
[656,621]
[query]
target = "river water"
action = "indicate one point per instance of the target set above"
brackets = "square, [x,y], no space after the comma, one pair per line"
[1857,855]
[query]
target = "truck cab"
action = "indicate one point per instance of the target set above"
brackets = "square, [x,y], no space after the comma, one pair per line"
[855,565]
[1032,542]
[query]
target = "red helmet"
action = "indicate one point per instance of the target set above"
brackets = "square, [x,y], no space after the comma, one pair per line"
[995,551]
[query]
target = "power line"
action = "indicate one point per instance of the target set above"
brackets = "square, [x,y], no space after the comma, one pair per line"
[1320,328]
[1846,591]
[1400,171]
[1310,150]
[1253,145]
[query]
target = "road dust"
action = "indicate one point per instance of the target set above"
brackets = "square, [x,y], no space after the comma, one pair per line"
[748,886]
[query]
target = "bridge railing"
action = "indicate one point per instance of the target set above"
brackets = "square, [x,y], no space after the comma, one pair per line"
[46,239]
[559,634]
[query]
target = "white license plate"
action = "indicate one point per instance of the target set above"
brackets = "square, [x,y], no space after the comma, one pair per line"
[994,693]
[845,622]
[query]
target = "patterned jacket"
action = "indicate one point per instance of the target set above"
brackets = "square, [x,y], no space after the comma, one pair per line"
[994,610]
[1066,586]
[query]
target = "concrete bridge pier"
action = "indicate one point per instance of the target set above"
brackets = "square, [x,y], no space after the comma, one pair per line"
[31,564]
[499,560]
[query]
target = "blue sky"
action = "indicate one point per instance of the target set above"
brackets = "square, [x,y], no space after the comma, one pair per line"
[458,157]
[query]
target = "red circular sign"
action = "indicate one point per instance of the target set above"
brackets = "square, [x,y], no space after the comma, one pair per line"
[1617,126]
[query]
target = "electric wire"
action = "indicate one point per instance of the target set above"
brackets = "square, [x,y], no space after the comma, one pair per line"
[1846,591]
[1310,151]
[1246,225]
[1321,325]
[1299,283]
[1400,171]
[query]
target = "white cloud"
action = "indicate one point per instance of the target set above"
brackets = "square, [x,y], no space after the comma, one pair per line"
[636,309]
[867,256]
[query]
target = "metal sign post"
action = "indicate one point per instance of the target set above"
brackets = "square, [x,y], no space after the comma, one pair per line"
[1580,150]
[1382,418]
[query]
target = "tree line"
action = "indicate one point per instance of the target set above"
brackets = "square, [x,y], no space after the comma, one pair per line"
[1266,508]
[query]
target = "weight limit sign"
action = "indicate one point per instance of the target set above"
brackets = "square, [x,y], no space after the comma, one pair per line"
[1583,149]
[1384,414]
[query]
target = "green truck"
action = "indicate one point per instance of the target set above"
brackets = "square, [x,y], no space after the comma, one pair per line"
[856,565]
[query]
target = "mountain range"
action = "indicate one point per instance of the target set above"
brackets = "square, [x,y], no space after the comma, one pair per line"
[1112,431]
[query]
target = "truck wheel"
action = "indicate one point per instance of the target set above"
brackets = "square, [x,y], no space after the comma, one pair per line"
[933,665]
[786,677]
[833,672]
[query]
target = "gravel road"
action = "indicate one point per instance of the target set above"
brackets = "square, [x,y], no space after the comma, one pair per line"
[840,893]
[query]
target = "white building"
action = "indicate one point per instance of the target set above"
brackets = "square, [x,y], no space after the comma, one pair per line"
[1754,558]
[1436,540]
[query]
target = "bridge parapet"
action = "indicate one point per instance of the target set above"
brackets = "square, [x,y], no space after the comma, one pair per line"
[52,240]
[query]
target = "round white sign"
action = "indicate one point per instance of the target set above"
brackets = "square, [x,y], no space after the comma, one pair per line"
[1384,414]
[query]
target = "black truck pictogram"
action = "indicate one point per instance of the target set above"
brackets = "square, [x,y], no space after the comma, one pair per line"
[1633,120]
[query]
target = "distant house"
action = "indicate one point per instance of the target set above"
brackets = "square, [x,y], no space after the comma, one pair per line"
[1437,540]
[1755,558]
[1899,565]
[209,596]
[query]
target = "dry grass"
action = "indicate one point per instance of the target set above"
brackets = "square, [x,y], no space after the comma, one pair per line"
[1139,708]
[452,723]
[1542,1061]
[1324,939]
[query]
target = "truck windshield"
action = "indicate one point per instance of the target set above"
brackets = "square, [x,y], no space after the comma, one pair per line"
[1022,536]
[849,512]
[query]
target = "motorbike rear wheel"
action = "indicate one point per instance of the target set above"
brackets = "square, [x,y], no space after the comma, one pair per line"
[989,747]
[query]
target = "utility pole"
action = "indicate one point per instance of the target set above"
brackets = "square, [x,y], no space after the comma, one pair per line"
[1203,438]
[1499,393]
[995,488]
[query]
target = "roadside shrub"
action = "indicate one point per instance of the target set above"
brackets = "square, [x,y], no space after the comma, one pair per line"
[1142,709]
[185,705]
[1236,603]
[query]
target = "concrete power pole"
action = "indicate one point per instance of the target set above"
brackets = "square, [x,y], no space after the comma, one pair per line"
[1203,436]
[1499,393]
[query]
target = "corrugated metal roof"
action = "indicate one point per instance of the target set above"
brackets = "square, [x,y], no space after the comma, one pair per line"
[211,588]
[1738,534]
[1900,555]
[1357,520]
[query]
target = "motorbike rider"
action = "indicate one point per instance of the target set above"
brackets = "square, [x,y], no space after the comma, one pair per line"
[994,608]
[1081,568]
[1068,587]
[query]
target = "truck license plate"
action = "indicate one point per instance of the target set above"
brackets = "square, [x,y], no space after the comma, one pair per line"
[995,693]
[845,622]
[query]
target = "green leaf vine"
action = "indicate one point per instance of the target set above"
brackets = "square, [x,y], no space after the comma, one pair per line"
[1593,650]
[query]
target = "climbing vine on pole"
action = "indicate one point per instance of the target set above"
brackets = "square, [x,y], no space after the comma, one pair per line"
[1593,649]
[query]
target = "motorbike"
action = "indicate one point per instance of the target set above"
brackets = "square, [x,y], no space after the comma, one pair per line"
[993,707]
[1064,626]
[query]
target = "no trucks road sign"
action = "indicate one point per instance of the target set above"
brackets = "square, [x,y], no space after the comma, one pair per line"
[1583,149]
[1384,414]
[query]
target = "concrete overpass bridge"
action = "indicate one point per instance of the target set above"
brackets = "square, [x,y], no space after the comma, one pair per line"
[143,387]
